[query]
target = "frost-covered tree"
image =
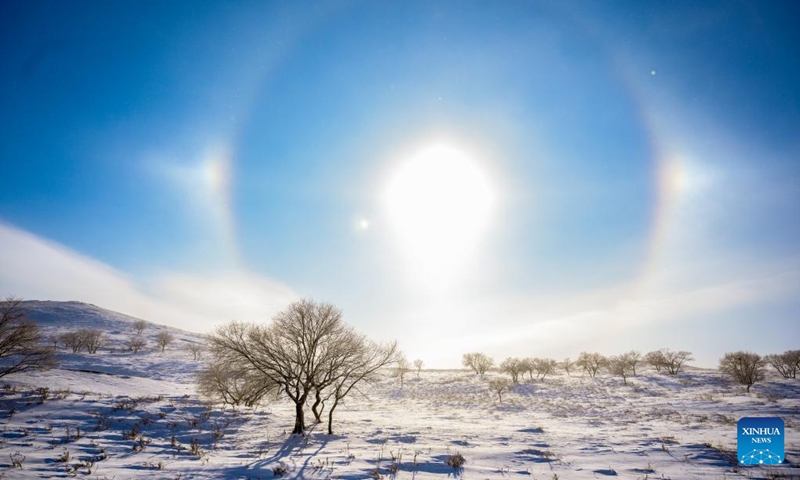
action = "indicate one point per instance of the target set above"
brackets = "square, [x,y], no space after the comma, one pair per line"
[498,386]
[164,338]
[620,366]
[568,365]
[668,360]
[93,339]
[354,360]
[139,326]
[402,367]
[478,362]
[544,367]
[196,350]
[528,365]
[514,367]
[418,364]
[633,358]
[786,363]
[305,349]
[233,385]
[675,360]
[136,343]
[591,363]
[746,368]
[22,345]
[90,339]
[73,341]
[656,359]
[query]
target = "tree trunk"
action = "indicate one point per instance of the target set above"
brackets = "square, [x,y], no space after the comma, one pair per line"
[748,389]
[330,417]
[316,407]
[299,419]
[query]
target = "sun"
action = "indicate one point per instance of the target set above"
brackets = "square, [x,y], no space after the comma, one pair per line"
[439,203]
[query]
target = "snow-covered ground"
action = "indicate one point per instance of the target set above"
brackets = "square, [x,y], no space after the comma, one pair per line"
[122,415]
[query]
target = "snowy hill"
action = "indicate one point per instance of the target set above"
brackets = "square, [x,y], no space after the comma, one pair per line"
[56,317]
[118,414]
[175,363]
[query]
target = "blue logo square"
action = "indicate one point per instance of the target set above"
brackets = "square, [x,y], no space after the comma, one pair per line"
[760,440]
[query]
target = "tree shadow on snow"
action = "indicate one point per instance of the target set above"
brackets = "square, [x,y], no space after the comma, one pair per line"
[297,452]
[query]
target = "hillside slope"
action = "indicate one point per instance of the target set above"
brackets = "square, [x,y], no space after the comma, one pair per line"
[175,363]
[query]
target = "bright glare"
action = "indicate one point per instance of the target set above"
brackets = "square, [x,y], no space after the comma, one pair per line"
[439,203]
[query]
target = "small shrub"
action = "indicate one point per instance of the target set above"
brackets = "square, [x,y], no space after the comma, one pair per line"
[280,469]
[64,457]
[43,393]
[376,474]
[17,459]
[133,433]
[456,460]
[103,422]
[194,447]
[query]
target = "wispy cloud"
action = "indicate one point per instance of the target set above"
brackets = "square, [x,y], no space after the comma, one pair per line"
[37,268]
[610,320]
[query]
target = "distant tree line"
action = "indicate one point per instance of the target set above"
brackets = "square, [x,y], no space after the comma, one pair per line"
[90,339]
[746,368]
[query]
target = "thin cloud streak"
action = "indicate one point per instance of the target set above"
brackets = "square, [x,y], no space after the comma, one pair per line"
[37,268]
[564,325]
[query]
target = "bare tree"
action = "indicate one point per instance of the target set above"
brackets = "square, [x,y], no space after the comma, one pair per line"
[136,343]
[401,368]
[93,339]
[22,345]
[478,362]
[139,326]
[232,384]
[499,386]
[73,340]
[350,359]
[514,367]
[656,359]
[632,358]
[528,365]
[591,362]
[164,338]
[196,350]
[544,367]
[294,351]
[746,368]
[621,366]
[418,365]
[674,361]
[90,339]
[355,360]
[786,363]
[568,365]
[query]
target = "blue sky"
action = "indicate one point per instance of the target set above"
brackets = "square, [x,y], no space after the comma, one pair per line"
[195,162]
